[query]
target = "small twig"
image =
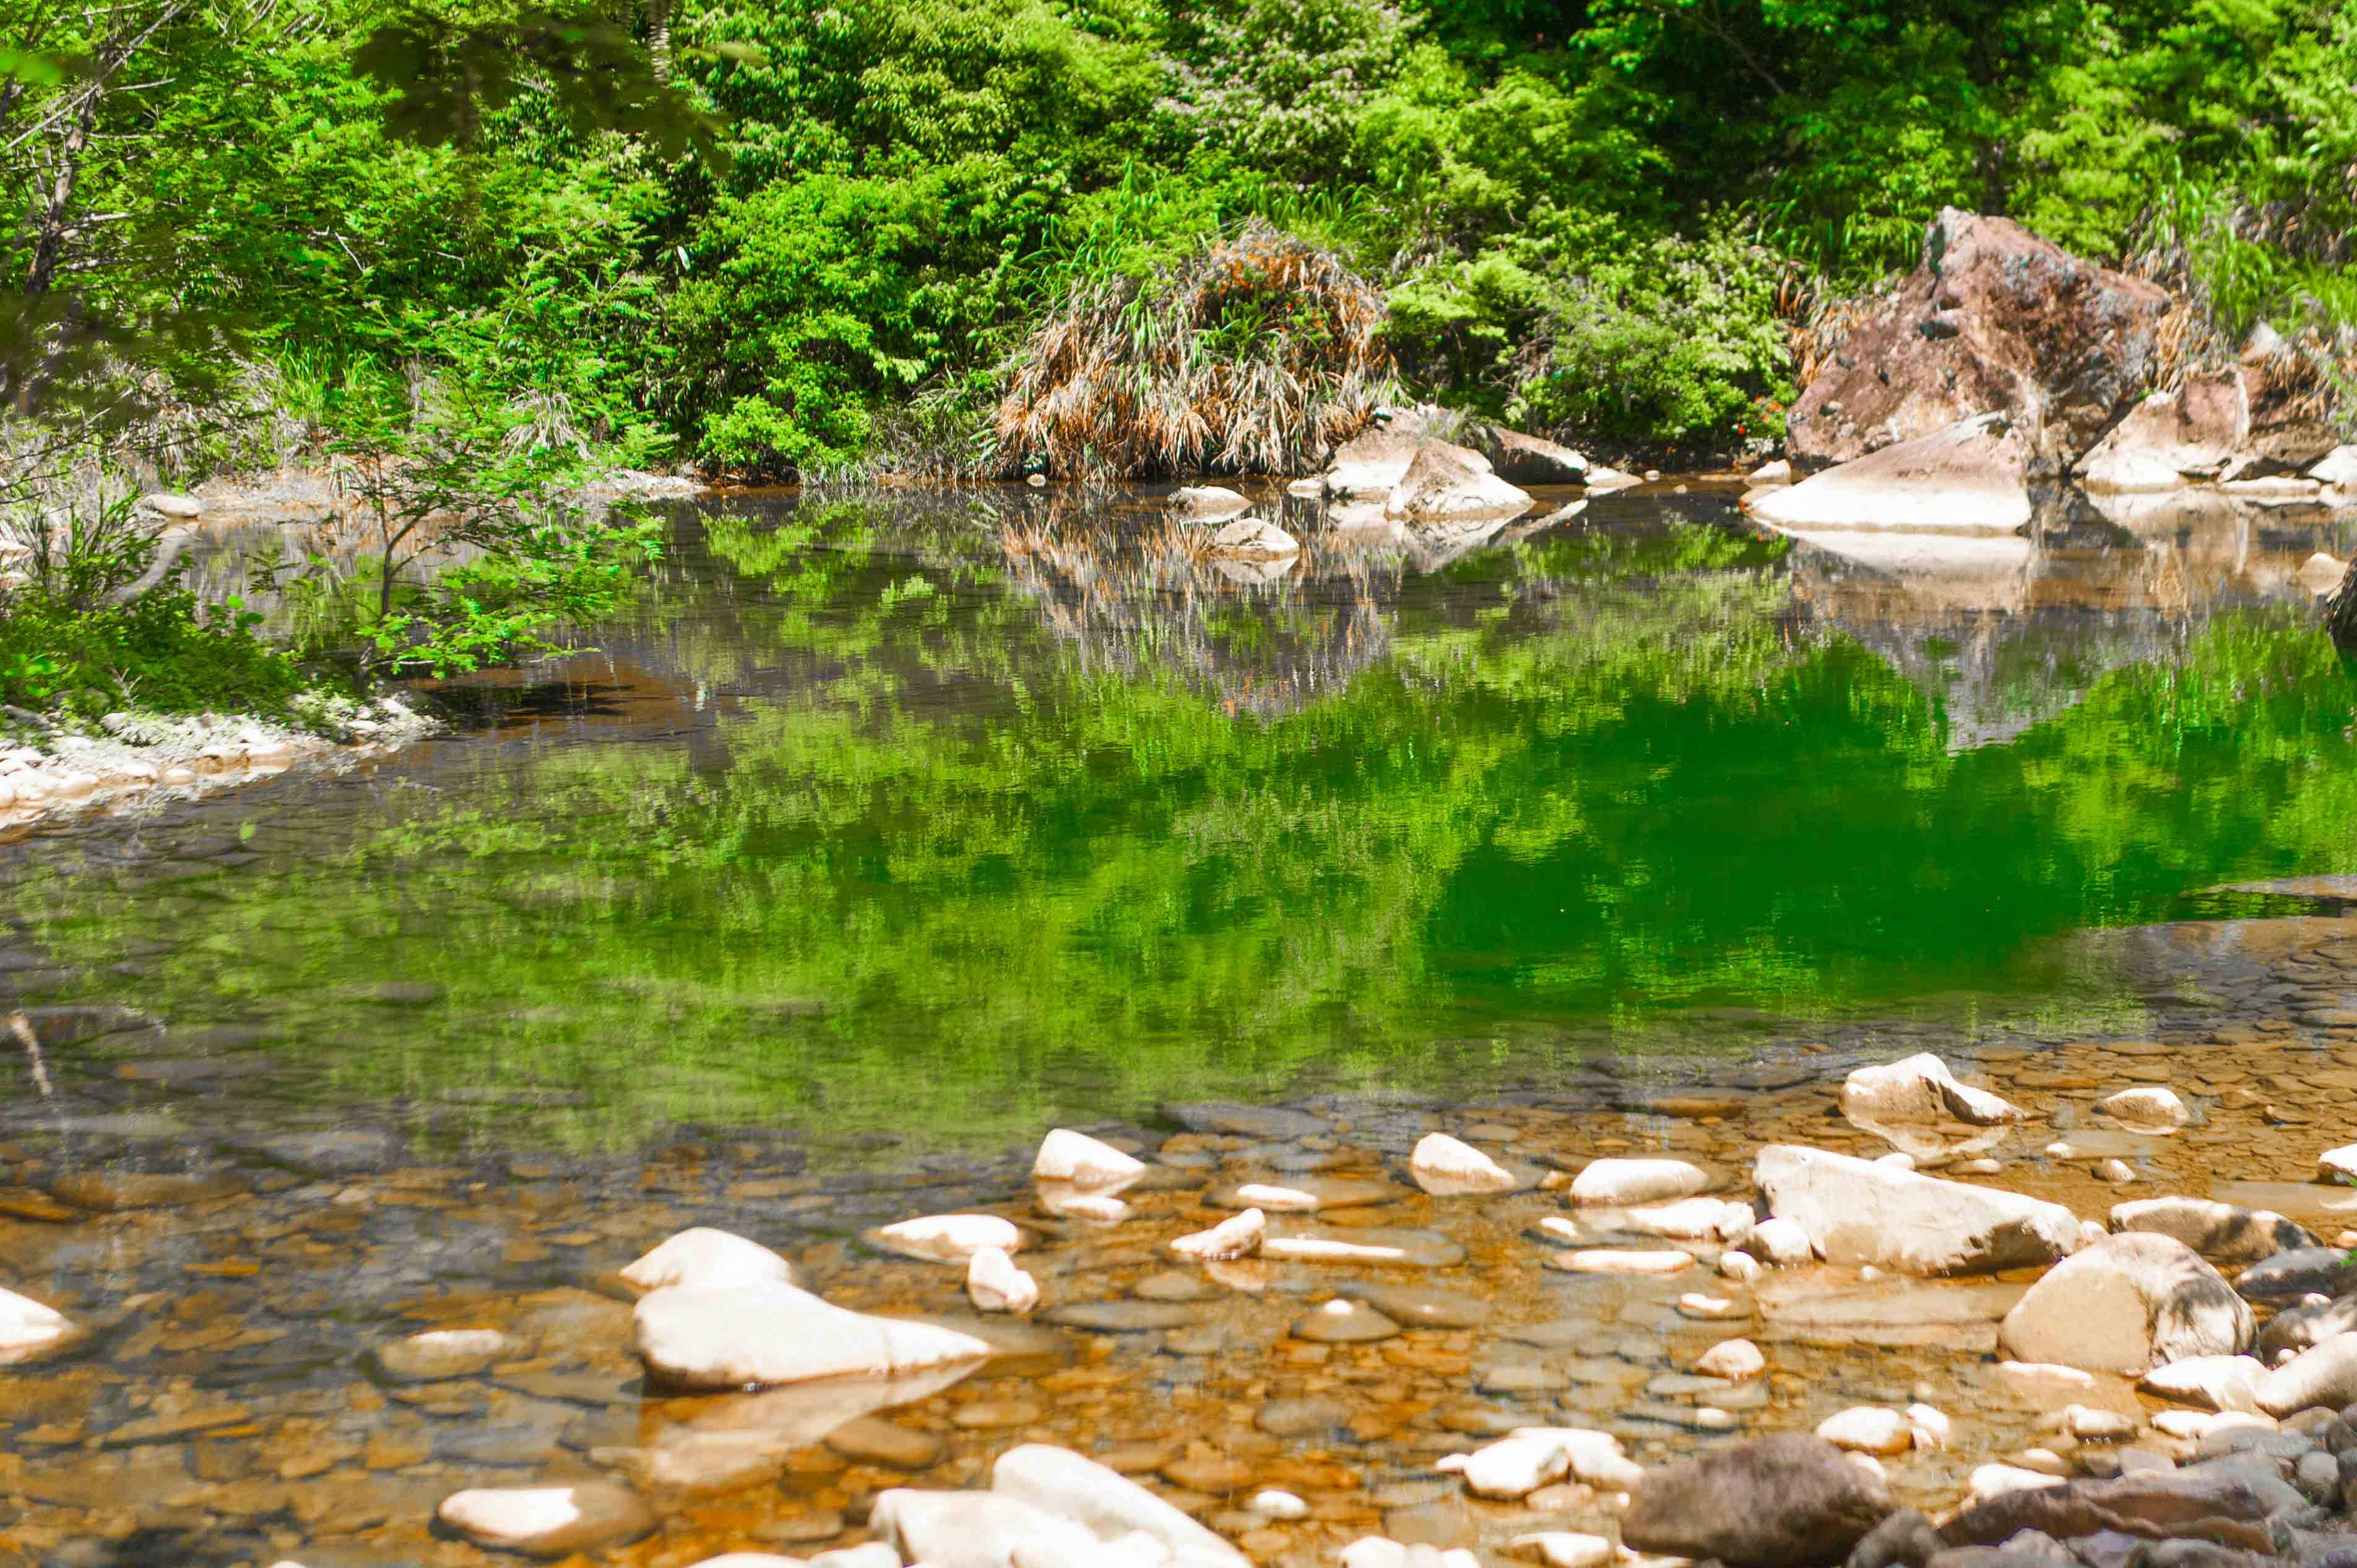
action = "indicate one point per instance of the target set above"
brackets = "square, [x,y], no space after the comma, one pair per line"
[22,1027]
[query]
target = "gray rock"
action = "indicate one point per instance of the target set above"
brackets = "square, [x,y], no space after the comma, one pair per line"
[1907,1539]
[1971,475]
[1448,484]
[2298,1327]
[1344,1322]
[2218,1231]
[1422,1306]
[1858,1212]
[2304,1271]
[1787,1501]
[2149,1504]
[2127,1303]
[1124,1317]
[1315,1417]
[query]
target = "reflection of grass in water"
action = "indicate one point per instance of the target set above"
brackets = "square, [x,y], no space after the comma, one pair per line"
[1075,892]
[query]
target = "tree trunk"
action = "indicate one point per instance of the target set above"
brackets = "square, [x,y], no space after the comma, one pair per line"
[659,37]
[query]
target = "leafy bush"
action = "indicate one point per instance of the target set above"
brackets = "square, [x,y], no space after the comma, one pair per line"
[165,653]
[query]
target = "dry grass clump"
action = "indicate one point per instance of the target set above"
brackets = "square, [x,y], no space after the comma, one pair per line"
[1259,355]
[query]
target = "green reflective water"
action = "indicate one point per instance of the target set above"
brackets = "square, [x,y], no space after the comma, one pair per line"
[963,817]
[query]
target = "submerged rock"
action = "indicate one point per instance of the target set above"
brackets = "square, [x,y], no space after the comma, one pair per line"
[751,1335]
[1108,1504]
[1787,1501]
[548,1522]
[445,1353]
[703,1256]
[1855,1211]
[2127,1303]
[995,1284]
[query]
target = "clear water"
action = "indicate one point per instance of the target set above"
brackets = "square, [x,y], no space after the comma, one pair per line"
[955,817]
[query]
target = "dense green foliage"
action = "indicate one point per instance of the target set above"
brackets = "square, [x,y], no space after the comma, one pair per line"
[776,236]
[164,653]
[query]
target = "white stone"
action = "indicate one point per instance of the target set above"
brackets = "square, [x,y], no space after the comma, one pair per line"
[1444,483]
[1260,1195]
[1739,1266]
[1595,1456]
[1709,1308]
[29,1330]
[1514,1467]
[1624,1183]
[2213,1383]
[2325,1374]
[2197,1424]
[1966,478]
[2146,1107]
[2340,1162]
[1900,1159]
[1565,1549]
[1869,1429]
[949,1238]
[1075,1157]
[1920,1089]
[1239,1236]
[547,1521]
[1619,1261]
[164,503]
[749,1336]
[1781,1243]
[1372,464]
[703,1256]
[2338,466]
[1734,1360]
[993,1284]
[1931,1428]
[1855,1212]
[1995,1480]
[1106,1502]
[1278,1505]
[1373,1551]
[972,1530]
[2127,1304]
[1692,1219]
[1778,472]
[2117,1171]
[1442,1163]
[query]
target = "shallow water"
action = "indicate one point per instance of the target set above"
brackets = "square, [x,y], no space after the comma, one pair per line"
[888,833]
[948,817]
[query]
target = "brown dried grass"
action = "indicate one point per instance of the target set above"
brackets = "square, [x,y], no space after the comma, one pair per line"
[1259,355]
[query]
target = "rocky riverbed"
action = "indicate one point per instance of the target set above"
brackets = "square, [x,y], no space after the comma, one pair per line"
[1500,1341]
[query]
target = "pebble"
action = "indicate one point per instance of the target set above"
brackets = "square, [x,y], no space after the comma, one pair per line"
[1344,1322]
[1278,1506]
[1086,1162]
[993,1284]
[1564,1549]
[2115,1171]
[1445,1166]
[1623,1183]
[1423,1306]
[1240,1237]
[1734,1360]
[548,1522]
[1301,1417]
[1869,1429]
[445,1353]
[1614,1260]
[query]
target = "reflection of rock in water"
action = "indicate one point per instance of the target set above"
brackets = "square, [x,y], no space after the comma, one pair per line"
[2004,631]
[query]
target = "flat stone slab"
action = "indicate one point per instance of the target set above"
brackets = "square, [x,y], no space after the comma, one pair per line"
[1406,1248]
[1321,1192]
[1422,1306]
[1898,1313]
[1124,1317]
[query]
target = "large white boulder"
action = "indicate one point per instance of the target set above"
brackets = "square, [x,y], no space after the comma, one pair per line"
[1449,484]
[2218,1231]
[1970,476]
[2127,1303]
[749,1335]
[1624,1183]
[1920,1089]
[1085,1162]
[1856,1211]
[548,1522]
[1112,1506]
[1445,1165]
[703,1256]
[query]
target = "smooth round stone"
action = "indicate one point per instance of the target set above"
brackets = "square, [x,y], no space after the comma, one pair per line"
[1204,1340]
[1172,1285]
[548,1522]
[1564,1549]
[947,1238]
[1520,1377]
[1423,1306]
[1344,1322]
[1278,1505]
[1214,1473]
[444,1353]
[1123,1316]
[872,1440]
[108,1192]
[1301,1417]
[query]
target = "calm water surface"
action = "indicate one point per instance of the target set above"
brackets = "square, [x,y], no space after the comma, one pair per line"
[955,817]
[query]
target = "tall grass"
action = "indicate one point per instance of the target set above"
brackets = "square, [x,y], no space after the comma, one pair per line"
[1255,354]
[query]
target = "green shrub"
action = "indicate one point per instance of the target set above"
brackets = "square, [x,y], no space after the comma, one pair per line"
[164,653]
